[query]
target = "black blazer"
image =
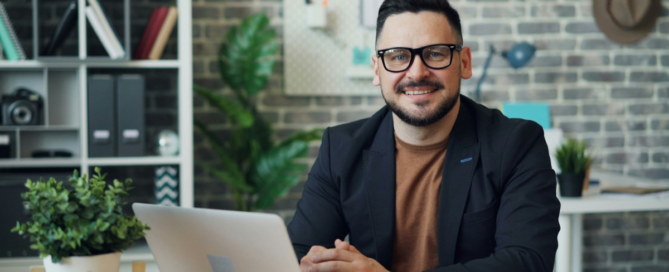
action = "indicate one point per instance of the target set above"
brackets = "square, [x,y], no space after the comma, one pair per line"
[498,209]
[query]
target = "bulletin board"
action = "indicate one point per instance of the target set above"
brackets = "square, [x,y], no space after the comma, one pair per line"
[320,61]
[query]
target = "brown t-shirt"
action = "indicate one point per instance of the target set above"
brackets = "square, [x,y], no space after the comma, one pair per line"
[418,179]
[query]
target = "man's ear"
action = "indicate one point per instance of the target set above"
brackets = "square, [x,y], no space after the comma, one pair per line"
[466,62]
[377,80]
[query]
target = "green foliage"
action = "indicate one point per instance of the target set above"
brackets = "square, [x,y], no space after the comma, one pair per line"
[258,169]
[572,157]
[86,220]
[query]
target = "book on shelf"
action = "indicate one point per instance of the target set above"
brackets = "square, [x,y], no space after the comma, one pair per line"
[151,32]
[164,34]
[99,30]
[8,38]
[63,30]
[107,27]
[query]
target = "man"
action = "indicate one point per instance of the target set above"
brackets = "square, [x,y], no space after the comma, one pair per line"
[432,180]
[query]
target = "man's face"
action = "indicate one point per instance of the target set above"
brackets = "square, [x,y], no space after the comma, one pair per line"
[414,30]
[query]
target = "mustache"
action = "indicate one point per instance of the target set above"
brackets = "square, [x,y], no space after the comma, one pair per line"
[422,83]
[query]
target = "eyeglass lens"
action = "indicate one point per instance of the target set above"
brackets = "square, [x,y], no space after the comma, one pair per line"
[438,56]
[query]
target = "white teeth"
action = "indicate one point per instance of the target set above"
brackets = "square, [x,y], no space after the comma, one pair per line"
[418,92]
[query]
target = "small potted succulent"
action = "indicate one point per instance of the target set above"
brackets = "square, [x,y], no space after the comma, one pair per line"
[574,162]
[82,228]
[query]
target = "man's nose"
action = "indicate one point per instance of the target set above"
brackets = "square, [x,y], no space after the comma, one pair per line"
[418,70]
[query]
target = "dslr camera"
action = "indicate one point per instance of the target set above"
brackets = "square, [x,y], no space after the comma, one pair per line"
[22,108]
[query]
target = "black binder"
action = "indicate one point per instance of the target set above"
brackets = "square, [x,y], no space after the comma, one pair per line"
[101,116]
[130,115]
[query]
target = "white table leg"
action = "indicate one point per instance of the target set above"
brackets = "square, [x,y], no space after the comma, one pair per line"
[576,242]
[562,258]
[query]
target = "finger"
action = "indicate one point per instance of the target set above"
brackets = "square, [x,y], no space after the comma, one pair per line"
[314,250]
[332,266]
[334,255]
[340,244]
[352,248]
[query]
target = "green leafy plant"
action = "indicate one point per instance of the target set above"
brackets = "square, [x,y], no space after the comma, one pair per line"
[572,158]
[257,168]
[86,220]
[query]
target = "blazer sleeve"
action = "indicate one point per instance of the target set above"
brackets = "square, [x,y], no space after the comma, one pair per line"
[527,219]
[318,218]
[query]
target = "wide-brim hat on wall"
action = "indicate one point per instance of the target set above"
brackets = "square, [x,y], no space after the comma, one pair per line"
[626,21]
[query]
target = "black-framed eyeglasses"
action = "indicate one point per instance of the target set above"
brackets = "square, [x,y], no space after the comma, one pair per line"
[435,56]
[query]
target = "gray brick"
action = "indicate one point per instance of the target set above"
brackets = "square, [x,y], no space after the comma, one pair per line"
[350,116]
[624,158]
[632,92]
[506,79]
[659,124]
[243,12]
[555,44]
[211,118]
[555,77]
[356,100]
[649,77]
[598,44]
[538,28]
[650,43]
[663,254]
[545,61]
[665,60]
[309,117]
[604,240]
[628,255]
[272,117]
[625,125]
[503,12]
[583,93]
[466,13]
[577,126]
[473,45]
[531,95]
[635,60]
[588,60]
[489,29]
[653,173]
[216,31]
[656,238]
[650,268]
[494,96]
[661,157]
[581,27]
[592,222]
[284,101]
[603,109]
[663,27]
[602,142]
[604,76]
[563,110]
[648,141]
[663,92]
[330,101]
[648,108]
[547,11]
[206,12]
[595,256]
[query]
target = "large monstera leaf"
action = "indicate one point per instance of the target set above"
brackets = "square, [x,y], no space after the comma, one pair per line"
[248,55]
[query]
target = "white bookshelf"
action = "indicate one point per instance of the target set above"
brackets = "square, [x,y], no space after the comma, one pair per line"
[62,82]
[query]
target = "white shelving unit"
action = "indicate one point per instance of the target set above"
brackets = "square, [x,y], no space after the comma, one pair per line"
[62,82]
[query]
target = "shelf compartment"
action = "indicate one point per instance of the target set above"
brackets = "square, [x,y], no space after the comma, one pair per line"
[118,13]
[49,140]
[50,13]
[63,89]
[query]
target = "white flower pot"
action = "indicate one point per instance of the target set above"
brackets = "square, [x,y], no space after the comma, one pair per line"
[98,263]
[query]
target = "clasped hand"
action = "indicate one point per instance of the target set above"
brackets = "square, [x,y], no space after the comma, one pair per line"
[344,257]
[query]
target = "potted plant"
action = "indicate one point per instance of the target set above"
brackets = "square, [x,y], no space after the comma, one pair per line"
[79,229]
[574,163]
[257,168]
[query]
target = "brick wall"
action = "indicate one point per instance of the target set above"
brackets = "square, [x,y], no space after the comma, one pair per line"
[613,96]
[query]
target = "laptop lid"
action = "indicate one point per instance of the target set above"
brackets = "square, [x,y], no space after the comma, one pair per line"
[192,239]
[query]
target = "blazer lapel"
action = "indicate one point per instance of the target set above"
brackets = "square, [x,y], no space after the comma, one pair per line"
[461,159]
[379,180]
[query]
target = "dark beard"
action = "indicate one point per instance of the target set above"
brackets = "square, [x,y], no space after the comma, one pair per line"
[441,111]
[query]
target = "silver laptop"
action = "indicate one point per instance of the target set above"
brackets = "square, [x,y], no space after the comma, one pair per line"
[190,239]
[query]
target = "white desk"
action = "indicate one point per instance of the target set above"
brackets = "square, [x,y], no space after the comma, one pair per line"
[569,253]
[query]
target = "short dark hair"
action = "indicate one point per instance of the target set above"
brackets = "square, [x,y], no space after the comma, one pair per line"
[392,7]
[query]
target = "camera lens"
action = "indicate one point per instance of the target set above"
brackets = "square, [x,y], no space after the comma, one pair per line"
[21,113]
